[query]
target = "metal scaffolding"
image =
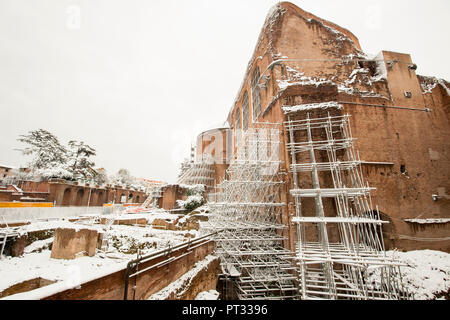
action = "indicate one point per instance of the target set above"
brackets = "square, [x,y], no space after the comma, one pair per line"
[153,198]
[248,208]
[200,172]
[339,251]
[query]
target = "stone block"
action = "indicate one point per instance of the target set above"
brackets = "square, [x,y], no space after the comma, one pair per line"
[71,243]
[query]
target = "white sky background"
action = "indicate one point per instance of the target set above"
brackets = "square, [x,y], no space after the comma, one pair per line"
[138,80]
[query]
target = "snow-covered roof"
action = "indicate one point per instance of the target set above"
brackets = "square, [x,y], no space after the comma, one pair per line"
[216,126]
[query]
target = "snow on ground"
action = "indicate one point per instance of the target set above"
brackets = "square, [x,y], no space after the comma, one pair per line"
[208,295]
[124,243]
[178,287]
[203,210]
[54,224]
[150,216]
[39,245]
[426,275]
[35,265]
[126,240]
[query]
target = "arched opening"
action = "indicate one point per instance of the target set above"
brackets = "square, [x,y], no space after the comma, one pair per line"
[237,127]
[94,198]
[112,197]
[66,197]
[245,113]
[100,199]
[79,198]
[130,198]
[138,199]
[386,232]
[123,198]
[389,231]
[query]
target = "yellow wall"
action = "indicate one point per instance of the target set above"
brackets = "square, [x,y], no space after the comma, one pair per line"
[25,204]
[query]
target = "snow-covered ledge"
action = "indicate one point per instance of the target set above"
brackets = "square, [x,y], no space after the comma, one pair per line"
[60,286]
[428,221]
[312,106]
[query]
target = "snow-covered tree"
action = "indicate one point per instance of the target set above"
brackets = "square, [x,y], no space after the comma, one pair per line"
[101,176]
[195,197]
[58,171]
[123,177]
[79,163]
[45,148]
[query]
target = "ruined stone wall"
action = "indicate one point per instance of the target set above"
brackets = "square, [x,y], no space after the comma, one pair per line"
[170,195]
[414,145]
[111,287]
[64,193]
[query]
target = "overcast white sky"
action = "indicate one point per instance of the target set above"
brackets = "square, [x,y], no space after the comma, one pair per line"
[138,79]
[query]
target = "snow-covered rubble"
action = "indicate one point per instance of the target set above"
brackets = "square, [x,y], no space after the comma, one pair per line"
[208,295]
[299,78]
[429,83]
[39,245]
[427,274]
[126,240]
[149,216]
[358,76]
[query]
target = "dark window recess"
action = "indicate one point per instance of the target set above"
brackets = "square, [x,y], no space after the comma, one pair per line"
[403,169]
[256,94]
[245,112]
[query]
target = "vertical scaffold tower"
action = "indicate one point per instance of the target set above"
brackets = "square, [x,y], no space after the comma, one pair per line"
[248,210]
[340,250]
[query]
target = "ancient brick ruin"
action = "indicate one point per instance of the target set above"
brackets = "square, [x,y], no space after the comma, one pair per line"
[399,120]
[361,159]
